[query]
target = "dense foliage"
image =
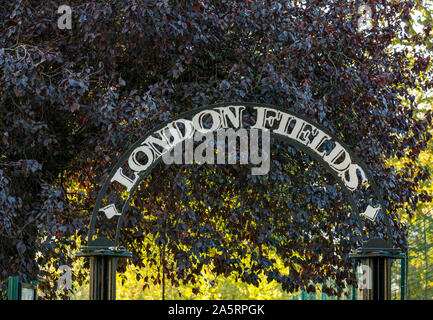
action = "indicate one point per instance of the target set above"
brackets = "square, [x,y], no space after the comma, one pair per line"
[73,100]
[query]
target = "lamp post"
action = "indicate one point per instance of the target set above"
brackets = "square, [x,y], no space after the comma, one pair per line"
[103,266]
[376,256]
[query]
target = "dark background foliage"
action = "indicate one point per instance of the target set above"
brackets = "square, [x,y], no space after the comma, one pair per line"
[73,100]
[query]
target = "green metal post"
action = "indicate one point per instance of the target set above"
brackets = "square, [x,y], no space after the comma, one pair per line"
[312,296]
[13,288]
[407,274]
[354,289]
[426,260]
[403,279]
[304,295]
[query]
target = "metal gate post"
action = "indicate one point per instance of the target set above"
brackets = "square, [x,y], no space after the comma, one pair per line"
[378,256]
[403,279]
[103,266]
[304,295]
[354,289]
[13,288]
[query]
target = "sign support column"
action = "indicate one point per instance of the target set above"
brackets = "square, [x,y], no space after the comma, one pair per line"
[377,255]
[103,267]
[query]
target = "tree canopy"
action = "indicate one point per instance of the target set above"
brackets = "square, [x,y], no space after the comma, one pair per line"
[73,100]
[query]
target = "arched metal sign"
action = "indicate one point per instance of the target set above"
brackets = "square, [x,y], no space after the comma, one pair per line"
[283,124]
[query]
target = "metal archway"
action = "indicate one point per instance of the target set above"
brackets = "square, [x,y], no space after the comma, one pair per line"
[283,124]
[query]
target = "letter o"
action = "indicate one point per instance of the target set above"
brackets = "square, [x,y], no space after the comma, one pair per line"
[197,121]
[133,162]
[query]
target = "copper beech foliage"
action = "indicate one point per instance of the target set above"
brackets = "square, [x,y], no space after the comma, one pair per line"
[73,100]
